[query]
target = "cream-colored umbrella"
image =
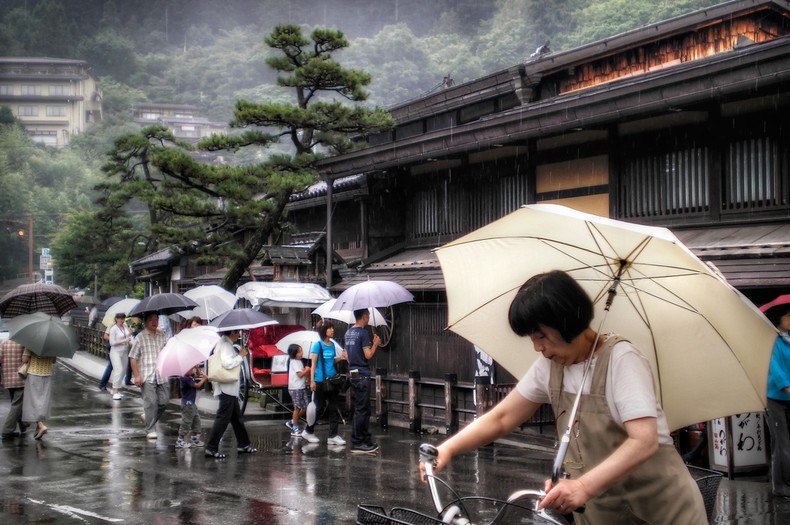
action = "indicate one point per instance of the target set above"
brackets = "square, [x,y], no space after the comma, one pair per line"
[708,345]
[123,306]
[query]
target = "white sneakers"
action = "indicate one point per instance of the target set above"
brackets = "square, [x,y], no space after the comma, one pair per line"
[117,397]
[310,437]
[151,435]
[335,440]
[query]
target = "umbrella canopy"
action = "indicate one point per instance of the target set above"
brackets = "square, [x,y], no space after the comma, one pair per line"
[212,301]
[709,346]
[371,294]
[39,297]
[43,334]
[186,349]
[163,303]
[122,306]
[241,319]
[295,295]
[111,301]
[347,316]
[303,338]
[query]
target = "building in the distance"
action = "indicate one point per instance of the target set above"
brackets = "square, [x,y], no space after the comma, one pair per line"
[184,121]
[55,98]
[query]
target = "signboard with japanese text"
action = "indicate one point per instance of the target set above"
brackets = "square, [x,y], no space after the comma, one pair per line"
[745,441]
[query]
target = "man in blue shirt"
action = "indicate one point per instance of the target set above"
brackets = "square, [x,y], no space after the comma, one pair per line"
[360,350]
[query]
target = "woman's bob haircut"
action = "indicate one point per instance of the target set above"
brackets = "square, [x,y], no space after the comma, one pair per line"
[552,299]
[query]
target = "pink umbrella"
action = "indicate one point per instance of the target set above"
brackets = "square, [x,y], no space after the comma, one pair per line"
[186,349]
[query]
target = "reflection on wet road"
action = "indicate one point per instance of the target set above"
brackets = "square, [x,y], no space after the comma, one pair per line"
[95,466]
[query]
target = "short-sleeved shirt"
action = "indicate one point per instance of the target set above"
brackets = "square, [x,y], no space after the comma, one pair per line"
[329,353]
[630,391]
[357,339]
[188,390]
[295,367]
[145,349]
[779,371]
[39,366]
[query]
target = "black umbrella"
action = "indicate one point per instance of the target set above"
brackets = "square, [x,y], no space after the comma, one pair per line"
[39,297]
[241,319]
[163,303]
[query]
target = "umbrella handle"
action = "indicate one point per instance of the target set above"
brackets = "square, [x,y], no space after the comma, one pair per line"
[557,471]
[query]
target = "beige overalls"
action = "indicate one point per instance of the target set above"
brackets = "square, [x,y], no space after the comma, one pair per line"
[659,491]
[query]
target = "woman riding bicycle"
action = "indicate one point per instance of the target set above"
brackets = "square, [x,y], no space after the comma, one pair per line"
[622,463]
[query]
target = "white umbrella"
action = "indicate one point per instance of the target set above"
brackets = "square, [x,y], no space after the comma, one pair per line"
[212,301]
[369,294]
[186,349]
[709,346]
[303,338]
[347,316]
[123,306]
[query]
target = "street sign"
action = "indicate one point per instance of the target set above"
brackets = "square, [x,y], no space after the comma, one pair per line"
[45,261]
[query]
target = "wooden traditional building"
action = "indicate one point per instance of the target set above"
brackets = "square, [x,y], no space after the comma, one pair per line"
[680,124]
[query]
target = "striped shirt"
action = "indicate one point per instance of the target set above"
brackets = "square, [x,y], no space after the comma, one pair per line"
[145,349]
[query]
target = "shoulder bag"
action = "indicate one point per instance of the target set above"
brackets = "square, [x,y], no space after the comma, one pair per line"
[220,374]
[337,382]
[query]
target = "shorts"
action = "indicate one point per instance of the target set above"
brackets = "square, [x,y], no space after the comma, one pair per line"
[299,397]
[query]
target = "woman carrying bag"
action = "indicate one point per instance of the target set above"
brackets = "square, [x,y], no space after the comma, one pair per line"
[323,356]
[228,411]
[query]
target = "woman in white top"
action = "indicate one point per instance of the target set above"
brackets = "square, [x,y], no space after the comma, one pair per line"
[120,343]
[228,410]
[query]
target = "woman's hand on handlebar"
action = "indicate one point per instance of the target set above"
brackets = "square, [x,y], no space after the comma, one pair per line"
[566,496]
[442,459]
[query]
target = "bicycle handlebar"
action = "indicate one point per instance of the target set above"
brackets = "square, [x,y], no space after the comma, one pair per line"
[454,515]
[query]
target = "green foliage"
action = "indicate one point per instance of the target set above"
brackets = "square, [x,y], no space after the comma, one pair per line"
[110,243]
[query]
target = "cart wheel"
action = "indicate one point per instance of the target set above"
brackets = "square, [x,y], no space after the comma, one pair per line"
[385,331]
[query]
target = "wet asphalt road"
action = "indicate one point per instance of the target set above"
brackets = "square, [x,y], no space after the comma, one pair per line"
[95,466]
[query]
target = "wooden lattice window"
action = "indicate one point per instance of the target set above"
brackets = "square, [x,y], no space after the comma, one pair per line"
[756,175]
[670,183]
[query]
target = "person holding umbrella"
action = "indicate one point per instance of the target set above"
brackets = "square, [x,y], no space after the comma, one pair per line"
[154,390]
[10,361]
[778,312]
[228,410]
[38,390]
[623,466]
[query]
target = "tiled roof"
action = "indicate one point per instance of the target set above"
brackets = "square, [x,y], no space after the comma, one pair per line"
[417,270]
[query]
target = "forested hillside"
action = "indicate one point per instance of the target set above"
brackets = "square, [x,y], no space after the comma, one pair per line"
[210,53]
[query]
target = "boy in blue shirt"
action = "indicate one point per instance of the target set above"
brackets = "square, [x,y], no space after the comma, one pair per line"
[190,418]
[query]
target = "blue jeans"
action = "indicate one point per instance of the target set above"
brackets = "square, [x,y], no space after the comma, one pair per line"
[360,433]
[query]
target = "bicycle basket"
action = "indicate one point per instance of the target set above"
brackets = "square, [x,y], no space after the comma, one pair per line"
[708,483]
[375,515]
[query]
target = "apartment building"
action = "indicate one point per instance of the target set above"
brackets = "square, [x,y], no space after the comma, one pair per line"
[55,98]
[184,121]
